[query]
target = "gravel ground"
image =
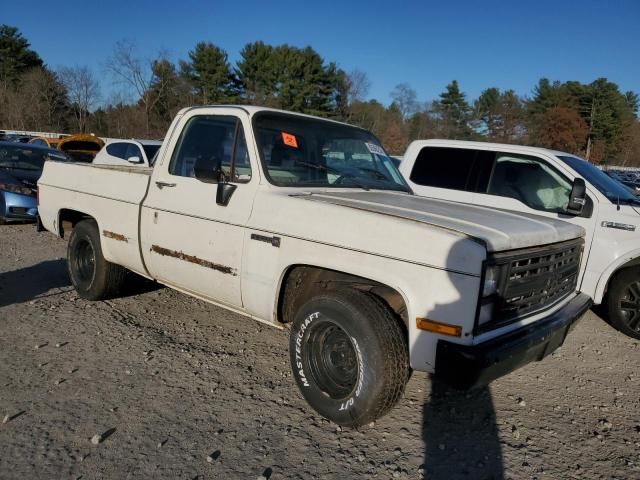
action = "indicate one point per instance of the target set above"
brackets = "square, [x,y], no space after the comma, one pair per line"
[159,385]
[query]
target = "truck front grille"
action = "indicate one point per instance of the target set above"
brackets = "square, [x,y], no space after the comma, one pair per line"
[534,279]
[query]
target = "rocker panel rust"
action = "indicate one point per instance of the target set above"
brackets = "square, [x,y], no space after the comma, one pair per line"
[192,259]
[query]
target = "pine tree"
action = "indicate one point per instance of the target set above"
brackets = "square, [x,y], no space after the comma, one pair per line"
[500,114]
[454,112]
[209,73]
[15,55]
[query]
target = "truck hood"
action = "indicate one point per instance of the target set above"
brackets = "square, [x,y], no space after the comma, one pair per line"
[499,230]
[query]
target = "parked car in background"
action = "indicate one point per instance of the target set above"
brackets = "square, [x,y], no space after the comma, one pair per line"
[81,147]
[46,142]
[545,182]
[127,152]
[14,138]
[293,219]
[633,188]
[20,167]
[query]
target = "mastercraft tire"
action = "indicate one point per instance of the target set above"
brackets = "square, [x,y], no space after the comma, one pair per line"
[623,302]
[93,277]
[349,356]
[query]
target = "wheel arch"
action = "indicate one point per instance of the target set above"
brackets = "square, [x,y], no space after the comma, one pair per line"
[632,259]
[68,218]
[299,282]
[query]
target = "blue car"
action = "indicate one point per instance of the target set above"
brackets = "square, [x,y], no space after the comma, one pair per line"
[20,168]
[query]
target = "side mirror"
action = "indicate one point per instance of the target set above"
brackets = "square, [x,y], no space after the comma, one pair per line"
[224,192]
[577,197]
[135,159]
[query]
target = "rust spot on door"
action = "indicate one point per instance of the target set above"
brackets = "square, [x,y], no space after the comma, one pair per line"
[115,236]
[192,259]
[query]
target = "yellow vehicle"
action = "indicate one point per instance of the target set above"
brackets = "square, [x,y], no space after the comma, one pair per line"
[81,147]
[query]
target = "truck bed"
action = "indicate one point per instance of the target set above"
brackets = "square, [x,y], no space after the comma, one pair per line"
[109,193]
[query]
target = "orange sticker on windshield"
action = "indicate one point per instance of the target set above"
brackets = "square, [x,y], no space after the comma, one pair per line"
[289,140]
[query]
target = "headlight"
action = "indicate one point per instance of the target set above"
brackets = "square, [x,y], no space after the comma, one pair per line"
[13,188]
[491,278]
[490,287]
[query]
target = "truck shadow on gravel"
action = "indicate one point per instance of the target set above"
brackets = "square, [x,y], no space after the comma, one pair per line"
[29,283]
[459,426]
[460,435]
[37,281]
[136,285]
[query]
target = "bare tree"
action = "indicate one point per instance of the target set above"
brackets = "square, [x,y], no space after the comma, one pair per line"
[83,90]
[358,86]
[405,99]
[47,90]
[138,75]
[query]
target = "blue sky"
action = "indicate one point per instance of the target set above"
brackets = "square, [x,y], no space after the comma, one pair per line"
[507,44]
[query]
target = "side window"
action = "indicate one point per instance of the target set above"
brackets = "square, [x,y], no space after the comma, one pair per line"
[452,168]
[215,141]
[532,181]
[133,151]
[117,150]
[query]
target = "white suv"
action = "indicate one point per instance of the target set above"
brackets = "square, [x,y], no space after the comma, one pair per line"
[128,152]
[545,182]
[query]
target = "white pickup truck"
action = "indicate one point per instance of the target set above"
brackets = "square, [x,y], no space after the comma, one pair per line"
[291,219]
[541,181]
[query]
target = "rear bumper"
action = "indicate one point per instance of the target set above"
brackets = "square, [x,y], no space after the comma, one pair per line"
[469,366]
[18,207]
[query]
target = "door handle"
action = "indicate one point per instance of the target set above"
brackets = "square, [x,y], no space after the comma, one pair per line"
[165,184]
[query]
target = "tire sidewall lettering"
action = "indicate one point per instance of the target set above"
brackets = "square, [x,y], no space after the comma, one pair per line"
[298,348]
[348,403]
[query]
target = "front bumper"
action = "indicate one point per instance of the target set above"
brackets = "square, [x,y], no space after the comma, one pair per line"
[470,366]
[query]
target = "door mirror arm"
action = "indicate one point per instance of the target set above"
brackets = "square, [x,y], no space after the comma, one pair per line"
[210,171]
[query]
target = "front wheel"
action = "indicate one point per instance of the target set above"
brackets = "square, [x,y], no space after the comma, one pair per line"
[349,356]
[93,277]
[623,302]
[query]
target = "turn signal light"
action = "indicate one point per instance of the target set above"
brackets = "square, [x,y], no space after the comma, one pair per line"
[437,327]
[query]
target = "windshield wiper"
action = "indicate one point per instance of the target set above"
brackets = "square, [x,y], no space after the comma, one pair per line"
[354,180]
[340,173]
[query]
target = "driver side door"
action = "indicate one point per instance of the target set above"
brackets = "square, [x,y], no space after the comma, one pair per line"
[189,241]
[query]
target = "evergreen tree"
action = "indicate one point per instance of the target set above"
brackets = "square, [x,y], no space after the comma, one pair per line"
[500,115]
[209,73]
[548,95]
[453,112]
[15,55]
[171,90]
[290,78]
[256,73]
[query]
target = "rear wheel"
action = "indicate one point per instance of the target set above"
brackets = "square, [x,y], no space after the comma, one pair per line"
[93,277]
[623,302]
[349,356]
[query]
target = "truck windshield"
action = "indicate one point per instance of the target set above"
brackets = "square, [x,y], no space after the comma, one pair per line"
[304,152]
[610,188]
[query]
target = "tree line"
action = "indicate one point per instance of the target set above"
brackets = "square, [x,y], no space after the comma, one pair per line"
[596,120]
